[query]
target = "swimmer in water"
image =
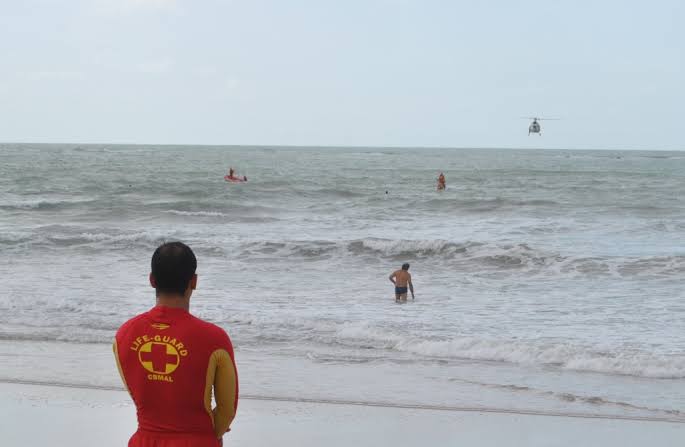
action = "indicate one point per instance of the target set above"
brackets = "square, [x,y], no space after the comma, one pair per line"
[402,280]
[441,182]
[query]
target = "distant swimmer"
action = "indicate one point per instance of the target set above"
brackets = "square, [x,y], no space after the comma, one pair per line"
[402,279]
[441,182]
[231,177]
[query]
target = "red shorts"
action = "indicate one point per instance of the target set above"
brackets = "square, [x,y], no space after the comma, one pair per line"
[148,439]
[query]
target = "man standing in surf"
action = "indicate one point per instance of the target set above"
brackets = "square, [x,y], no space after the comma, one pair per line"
[402,279]
[441,182]
[172,362]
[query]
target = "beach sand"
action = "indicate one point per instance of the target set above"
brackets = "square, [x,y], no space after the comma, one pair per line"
[39,415]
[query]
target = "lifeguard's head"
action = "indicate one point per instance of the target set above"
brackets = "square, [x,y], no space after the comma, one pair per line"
[173,270]
[405,266]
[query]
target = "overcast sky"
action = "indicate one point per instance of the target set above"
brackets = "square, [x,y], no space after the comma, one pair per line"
[361,73]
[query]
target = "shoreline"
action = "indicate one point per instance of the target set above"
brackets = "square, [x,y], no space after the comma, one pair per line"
[380,404]
[107,418]
[455,387]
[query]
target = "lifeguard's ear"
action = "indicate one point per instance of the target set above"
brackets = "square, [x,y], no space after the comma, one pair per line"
[193,282]
[153,283]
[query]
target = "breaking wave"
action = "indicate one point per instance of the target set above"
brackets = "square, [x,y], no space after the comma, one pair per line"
[566,356]
[382,341]
[75,238]
[44,203]
[473,255]
[197,213]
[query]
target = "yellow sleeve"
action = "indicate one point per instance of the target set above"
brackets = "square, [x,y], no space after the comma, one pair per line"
[221,375]
[121,371]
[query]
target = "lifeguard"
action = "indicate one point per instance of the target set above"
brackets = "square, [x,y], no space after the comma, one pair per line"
[171,362]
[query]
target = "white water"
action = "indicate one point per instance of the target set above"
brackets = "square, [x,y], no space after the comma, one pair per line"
[538,273]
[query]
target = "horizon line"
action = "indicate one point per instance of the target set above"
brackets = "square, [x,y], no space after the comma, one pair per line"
[312,146]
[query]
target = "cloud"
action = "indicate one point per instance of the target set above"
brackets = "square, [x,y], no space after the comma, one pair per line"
[225,87]
[153,4]
[231,84]
[133,6]
[155,67]
[204,71]
[55,75]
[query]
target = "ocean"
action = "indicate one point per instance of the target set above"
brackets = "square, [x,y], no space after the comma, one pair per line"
[546,280]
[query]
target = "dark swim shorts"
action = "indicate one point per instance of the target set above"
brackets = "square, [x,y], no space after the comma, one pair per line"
[400,290]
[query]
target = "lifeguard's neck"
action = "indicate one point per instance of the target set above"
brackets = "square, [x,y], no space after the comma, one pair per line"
[174,301]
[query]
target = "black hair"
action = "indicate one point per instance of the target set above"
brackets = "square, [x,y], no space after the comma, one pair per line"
[405,266]
[173,266]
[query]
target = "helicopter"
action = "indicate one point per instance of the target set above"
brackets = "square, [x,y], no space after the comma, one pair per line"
[535,125]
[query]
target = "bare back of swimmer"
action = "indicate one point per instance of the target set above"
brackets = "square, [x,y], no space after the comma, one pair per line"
[402,280]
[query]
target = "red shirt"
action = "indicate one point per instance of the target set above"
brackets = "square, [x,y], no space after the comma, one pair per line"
[170,361]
